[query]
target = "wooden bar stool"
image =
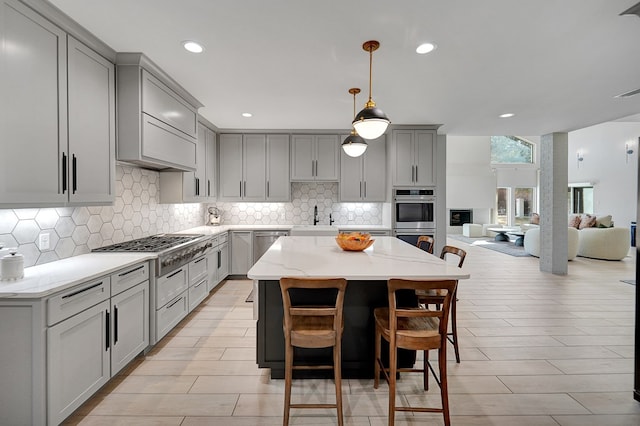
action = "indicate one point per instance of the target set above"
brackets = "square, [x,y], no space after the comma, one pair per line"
[425,243]
[433,298]
[313,326]
[414,329]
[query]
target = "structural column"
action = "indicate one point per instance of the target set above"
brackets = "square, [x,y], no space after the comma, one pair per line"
[554,244]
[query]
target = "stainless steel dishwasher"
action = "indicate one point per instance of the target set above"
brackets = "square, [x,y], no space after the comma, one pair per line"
[262,240]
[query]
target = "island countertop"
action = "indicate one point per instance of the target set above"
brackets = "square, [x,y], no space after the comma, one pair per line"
[319,257]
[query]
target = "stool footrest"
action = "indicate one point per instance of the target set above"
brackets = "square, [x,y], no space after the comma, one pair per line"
[312,367]
[420,409]
[313,405]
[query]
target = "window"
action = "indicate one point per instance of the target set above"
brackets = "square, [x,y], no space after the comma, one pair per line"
[580,199]
[511,150]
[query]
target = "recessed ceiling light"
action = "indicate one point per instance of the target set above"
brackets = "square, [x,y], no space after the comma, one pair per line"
[247,114]
[193,46]
[425,48]
[507,115]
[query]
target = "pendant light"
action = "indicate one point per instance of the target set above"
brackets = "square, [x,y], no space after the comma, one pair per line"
[354,145]
[371,122]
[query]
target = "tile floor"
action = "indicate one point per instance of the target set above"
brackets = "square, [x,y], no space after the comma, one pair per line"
[537,350]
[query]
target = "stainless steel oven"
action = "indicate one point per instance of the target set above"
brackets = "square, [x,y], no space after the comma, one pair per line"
[411,236]
[414,208]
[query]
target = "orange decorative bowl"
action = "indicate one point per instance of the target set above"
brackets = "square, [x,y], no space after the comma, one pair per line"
[354,241]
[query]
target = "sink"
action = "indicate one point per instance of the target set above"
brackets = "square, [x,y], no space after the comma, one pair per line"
[314,230]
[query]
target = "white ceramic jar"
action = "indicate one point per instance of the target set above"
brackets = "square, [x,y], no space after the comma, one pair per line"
[12,266]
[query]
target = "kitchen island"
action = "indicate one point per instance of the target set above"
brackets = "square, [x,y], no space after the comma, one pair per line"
[367,273]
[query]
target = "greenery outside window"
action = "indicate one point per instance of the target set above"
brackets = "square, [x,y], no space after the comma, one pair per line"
[511,150]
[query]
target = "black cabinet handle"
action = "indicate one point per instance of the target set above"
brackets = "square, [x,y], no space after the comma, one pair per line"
[75,293]
[64,172]
[219,259]
[241,188]
[108,333]
[115,325]
[131,271]
[195,182]
[74,172]
[208,188]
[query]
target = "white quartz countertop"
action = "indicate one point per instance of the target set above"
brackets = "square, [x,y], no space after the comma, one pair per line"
[49,278]
[214,230]
[321,257]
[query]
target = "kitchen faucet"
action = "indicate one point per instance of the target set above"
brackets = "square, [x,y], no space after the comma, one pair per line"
[315,215]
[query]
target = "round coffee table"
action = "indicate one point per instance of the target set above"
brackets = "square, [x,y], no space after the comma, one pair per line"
[501,233]
[519,237]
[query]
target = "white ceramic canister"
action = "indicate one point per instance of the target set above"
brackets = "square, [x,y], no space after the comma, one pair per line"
[12,266]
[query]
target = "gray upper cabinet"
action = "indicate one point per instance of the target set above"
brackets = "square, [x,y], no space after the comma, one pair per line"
[413,157]
[315,157]
[278,183]
[242,167]
[198,186]
[364,178]
[157,118]
[43,154]
[91,124]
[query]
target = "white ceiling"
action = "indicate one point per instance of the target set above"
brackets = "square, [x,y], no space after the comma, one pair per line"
[556,64]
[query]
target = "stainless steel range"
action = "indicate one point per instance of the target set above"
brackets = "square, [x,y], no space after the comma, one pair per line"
[174,250]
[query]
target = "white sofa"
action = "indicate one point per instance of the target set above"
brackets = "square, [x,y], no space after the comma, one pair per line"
[596,243]
[532,242]
[604,243]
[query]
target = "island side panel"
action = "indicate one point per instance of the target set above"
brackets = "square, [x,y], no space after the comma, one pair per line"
[361,298]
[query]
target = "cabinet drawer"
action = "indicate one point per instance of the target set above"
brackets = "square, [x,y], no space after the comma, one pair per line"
[197,270]
[77,299]
[171,285]
[167,106]
[223,238]
[197,294]
[127,278]
[164,144]
[169,316]
[214,241]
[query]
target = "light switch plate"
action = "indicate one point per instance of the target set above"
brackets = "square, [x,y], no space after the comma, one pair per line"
[43,241]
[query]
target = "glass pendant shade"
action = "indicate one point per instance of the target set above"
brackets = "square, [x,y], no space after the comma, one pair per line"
[371,122]
[354,145]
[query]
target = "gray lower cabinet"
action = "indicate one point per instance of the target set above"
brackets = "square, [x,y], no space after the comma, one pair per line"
[58,115]
[218,260]
[364,178]
[66,346]
[241,252]
[223,264]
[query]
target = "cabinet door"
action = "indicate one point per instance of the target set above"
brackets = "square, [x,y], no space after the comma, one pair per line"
[327,157]
[424,156]
[241,252]
[210,165]
[223,265]
[351,177]
[302,157]
[130,325]
[194,182]
[212,268]
[230,167]
[254,187]
[77,360]
[403,164]
[33,107]
[91,124]
[278,183]
[375,171]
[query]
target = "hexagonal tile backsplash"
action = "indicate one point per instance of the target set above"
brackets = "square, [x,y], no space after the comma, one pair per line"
[136,212]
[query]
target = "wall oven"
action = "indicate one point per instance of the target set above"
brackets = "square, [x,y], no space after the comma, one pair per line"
[414,212]
[414,208]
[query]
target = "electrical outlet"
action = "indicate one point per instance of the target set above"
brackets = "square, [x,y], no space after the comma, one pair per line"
[43,241]
[350,215]
[258,215]
[282,216]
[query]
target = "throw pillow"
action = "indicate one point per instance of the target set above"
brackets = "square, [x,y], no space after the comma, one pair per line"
[574,221]
[603,221]
[535,219]
[587,221]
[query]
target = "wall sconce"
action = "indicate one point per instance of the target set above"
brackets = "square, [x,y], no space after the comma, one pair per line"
[580,157]
[628,150]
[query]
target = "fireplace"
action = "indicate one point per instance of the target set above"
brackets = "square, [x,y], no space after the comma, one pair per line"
[460,216]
